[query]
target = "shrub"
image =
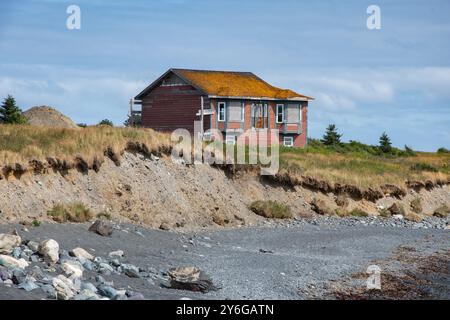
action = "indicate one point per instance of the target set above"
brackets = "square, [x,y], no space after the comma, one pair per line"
[422,166]
[443,150]
[75,212]
[271,209]
[82,125]
[409,151]
[385,213]
[104,215]
[358,213]
[416,205]
[106,122]
[36,223]
[442,211]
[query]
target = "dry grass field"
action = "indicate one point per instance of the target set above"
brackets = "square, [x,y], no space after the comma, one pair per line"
[21,143]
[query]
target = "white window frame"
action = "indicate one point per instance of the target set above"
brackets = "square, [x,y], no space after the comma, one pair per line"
[243,112]
[286,144]
[224,106]
[280,105]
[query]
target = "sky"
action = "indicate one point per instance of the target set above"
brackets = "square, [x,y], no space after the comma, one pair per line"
[395,79]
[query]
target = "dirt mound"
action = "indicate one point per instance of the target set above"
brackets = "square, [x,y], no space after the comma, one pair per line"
[45,116]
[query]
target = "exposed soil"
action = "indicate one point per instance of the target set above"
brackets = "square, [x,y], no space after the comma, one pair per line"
[142,188]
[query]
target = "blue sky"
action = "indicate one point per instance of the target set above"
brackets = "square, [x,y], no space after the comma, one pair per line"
[396,79]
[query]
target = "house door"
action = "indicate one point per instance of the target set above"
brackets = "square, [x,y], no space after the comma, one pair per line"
[206,122]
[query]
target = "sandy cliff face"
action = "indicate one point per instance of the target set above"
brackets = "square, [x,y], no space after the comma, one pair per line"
[154,191]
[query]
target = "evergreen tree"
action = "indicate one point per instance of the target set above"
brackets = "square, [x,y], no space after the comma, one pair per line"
[385,143]
[331,136]
[10,112]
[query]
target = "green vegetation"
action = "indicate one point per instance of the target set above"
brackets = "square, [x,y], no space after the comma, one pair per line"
[106,122]
[416,205]
[331,136]
[82,125]
[36,223]
[10,113]
[443,150]
[21,143]
[74,212]
[271,209]
[422,166]
[385,143]
[358,213]
[442,211]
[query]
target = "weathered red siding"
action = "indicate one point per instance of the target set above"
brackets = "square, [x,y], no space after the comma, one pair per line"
[167,108]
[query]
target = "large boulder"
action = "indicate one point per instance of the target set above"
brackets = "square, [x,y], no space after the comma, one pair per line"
[102,228]
[49,249]
[8,242]
[190,278]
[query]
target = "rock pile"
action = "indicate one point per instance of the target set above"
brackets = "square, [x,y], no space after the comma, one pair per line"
[78,274]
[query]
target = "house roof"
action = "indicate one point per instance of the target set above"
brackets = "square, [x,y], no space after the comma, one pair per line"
[230,84]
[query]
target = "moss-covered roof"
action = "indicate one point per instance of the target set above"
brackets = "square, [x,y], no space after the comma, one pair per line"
[235,84]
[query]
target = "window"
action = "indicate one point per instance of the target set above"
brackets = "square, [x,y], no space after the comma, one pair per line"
[280,113]
[260,117]
[288,141]
[221,111]
[234,111]
[293,113]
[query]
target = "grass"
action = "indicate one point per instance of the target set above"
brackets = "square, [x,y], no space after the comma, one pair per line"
[442,212]
[358,213]
[353,163]
[416,205]
[363,169]
[74,212]
[271,209]
[21,143]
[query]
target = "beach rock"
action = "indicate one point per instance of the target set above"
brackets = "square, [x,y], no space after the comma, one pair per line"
[49,249]
[107,291]
[130,270]
[12,263]
[80,253]
[28,285]
[105,268]
[64,288]
[190,278]
[4,273]
[49,290]
[88,286]
[8,242]
[72,269]
[102,228]
[33,246]
[18,276]
[118,254]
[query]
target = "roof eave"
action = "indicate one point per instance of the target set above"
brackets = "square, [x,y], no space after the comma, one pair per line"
[260,98]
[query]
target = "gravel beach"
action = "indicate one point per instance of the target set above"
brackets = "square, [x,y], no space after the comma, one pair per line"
[295,260]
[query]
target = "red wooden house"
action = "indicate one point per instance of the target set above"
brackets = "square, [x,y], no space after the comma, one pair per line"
[232,102]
